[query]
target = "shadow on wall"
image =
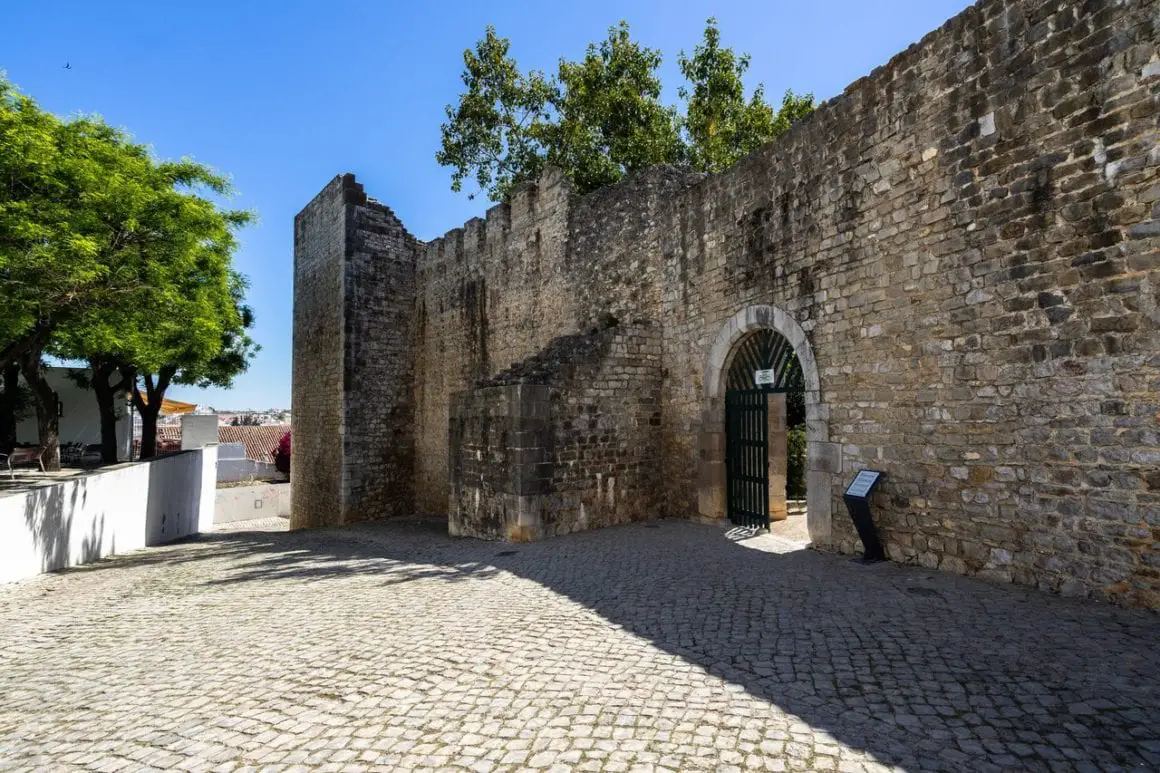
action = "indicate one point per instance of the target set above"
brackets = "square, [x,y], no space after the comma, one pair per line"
[48,516]
[923,670]
[81,519]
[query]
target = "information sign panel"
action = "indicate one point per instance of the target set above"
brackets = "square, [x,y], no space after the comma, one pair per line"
[763,377]
[862,483]
[857,500]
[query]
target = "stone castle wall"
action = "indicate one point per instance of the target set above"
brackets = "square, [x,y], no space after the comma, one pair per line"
[568,440]
[500,289]
[354,342]
[605,423]
[378,377]
[968,237]
[489,295]
[967,242]
[316,391]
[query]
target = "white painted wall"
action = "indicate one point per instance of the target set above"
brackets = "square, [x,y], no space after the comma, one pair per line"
[245,503]
[80,421]
[113,510]
[198,430]
[233,464]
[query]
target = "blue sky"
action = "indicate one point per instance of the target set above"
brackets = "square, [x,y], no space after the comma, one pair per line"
[285,95]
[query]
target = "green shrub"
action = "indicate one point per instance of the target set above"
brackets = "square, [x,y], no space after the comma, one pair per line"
[795,473]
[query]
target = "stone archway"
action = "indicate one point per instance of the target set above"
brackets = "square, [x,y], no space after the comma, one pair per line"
[824,459]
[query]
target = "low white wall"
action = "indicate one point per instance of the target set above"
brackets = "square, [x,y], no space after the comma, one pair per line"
[233,464]
[245,503]
[115,510]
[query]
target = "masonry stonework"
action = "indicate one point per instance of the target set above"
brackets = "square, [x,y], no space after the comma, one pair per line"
[316,389]
[354,280]
[963,247]
[565,441]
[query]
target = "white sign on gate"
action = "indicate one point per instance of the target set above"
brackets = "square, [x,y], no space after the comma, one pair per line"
[763,377]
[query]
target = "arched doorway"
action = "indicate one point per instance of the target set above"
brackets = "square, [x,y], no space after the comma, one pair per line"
[823,459]
[763,408]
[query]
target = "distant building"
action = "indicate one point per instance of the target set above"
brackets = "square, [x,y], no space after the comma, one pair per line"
[258,441]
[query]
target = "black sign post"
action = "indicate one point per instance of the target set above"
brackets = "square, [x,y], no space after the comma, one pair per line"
[857,498]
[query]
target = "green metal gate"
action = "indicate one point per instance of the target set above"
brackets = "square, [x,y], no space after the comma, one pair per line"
[763,363]
[747,457]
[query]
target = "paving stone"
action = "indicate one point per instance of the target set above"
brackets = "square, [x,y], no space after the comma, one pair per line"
[391,646]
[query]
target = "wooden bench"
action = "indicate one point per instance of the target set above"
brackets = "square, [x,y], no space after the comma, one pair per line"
[23,456]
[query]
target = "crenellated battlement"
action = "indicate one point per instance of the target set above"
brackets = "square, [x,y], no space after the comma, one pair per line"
[484,245]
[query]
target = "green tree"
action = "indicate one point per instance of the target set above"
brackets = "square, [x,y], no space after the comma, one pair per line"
[52,267]
[156,226]
[52,264]
[597,119]
[721,125]
[609,120]
[208,346]
[495,134]
[110,256]
[601,118]
[44,264]
[797,443]
[48,268]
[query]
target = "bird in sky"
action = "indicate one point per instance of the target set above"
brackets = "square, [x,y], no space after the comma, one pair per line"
[67,66]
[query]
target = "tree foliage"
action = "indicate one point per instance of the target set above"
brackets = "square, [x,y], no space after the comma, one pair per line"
[174,247]
[609,119]
[110,256]
[195,331]
[721,125]
[204,344]
[49,265]
[496,133]
[602,117]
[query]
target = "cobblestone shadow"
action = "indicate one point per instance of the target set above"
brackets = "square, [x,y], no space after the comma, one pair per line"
[393,647]
[922,669]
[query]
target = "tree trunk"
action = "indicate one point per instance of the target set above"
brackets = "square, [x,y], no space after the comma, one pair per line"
[107,406]
[148,431]
[8,400]
[31,342]
[149,409]
[47,409]
[106,394]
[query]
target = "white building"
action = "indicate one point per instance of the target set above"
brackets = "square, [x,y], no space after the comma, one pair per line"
[79,420]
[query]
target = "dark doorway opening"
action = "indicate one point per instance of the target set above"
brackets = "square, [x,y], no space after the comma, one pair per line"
[764,414]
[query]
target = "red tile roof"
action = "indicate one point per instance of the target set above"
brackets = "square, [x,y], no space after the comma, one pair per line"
[259,441]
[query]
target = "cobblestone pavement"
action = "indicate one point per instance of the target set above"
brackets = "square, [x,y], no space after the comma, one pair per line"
[393,647]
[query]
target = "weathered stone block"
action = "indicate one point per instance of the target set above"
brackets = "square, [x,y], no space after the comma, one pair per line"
[824,457]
